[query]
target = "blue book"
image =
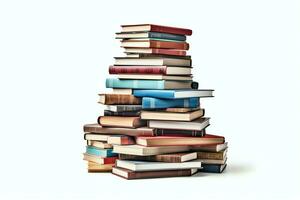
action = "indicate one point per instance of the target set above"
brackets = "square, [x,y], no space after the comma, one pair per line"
[154,103]
[213,168]
[167,36]
[173,94]
[147,84]
[100,152]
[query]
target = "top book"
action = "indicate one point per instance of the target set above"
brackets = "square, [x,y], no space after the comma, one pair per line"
[155,28]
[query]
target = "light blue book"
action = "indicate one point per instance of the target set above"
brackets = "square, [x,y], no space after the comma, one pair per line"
[147,84]
[173,94]
[155,103]
[100,152]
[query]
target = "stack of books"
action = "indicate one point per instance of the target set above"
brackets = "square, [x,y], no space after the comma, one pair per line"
[153,125]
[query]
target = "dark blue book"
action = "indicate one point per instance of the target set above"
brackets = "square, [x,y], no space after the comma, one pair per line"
[155,103]
[167,36]
[213,168]
[100,152]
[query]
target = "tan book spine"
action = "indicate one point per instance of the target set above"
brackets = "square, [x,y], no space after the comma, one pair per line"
[111,99]
[116,121]
[211,155]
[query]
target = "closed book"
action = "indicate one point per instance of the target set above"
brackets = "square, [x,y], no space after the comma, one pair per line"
[212,155]
[154,166]
[173,94]
[197,124]
[121,91]
[181,110]
[122,108]
[123,114]
[155,103]
[210,148]
[133,35]
[213,168]
[99,159]
[96,137]
[91,150]
[214,161]
[175,132]
[116,121]
[155,77]
[170,158]
[158,61]
[150,43]
[147,151]
[99,130]
[162,115]
[156,28]
[95,167]
[179,140]
[128,174]
[147,55]
[154,51]
[99,144]
[111,99]
[148,70]
[121,140]
[147,84]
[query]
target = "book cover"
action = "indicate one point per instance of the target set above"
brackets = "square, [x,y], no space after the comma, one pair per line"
[212,155]
[213,168]
[100,152]
[123,114]
[154,51]
[111,99]
[99,144]
[156,28]
[175,132]
[172,116]
[117,121]
[172,94]
[123,108]
[151,43]
[168,36]
[121,140]
[155,103]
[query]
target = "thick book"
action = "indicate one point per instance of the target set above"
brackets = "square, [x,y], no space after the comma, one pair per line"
[156,28]
[155,77]
[95,167]
[99,144]
[123,108]
[156,166]
[133,35]
[175,132]
[169,158]
[213,168]
[154,51]
[117,121]
[128,174]
[221,155]
[148,151]
[173,94]
[96,137]
[150,70]
[197,124]
[99,130]
[150,43]
[99,159]
[158,61]
[111,99]
[91,150]
[121,140]
[155,103]
[181,110]
[177,140]
[122,91]
[162,115]
[210,148]
[123,114]
[214,161]
[147,84]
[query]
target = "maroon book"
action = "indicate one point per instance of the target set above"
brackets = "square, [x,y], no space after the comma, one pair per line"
[137,70]
[156,28]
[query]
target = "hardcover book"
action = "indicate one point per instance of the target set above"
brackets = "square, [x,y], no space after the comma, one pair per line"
[155,28]
[151,43]
[154,77]
[111,99]
[91,150]
[175,132]
[211,148]
[96,137]
[95,167]
[99,159]
[123,108]
[116,121]
[161,115]
[123,114]
[121,140]
[173,94]
[99,144]
[221,155]
[160,61]
[213,168]
[155,103]
[213,161]
[154,51]
[162,70]
[133,35]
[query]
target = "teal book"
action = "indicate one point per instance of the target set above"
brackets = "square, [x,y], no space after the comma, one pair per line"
[100,152]
[147,84]
[155,103]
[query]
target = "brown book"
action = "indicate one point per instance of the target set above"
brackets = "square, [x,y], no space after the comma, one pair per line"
[212,155]
[121,140]
[98,144]
[95,167]
[181,110]
[173,116]
[116,121]
[210,148]
[128,174]
[96,128]
[171,158]
[123,99]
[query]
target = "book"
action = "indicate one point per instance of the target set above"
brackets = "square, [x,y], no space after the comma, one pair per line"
[170,158]
[116,121]
[123,108]
[147,84]
[173,94]
[154,51]
[96,137]
[148,151]
[111,99]
[91,150]
[99,144]
[197,124]
[95,167]
[162,115]
[175,132]
[179,140]
[160,61]
[155,28]
[213,168]
[155,166]
[128,174]
[211,148]
[149,70]
[213,161]
[133,35]
[154,77]
[147,55]
[150,43]
[212,155]
[181,110]
[121,91]
[155,103]
[99,159]
[121,140]
[123,114]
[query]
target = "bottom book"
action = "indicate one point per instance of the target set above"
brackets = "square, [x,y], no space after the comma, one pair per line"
[128,174]
[213,168]
[95,167]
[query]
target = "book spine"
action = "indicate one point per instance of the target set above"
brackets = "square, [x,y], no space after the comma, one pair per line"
[169,45]
[134,84]
[117,121]
[169,52]
[164,94]
[172,30]
[211,168]
[171,132]
[210,155]
[159,174]
[155,103]
[137,70]
[167,36]
[123,114]
[111,99]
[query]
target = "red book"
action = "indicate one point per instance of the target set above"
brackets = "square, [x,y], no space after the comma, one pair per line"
[154,44]
[156,51]
[164,70]
[156,28]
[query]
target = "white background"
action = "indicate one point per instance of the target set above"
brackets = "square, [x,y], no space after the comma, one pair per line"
[54,58]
